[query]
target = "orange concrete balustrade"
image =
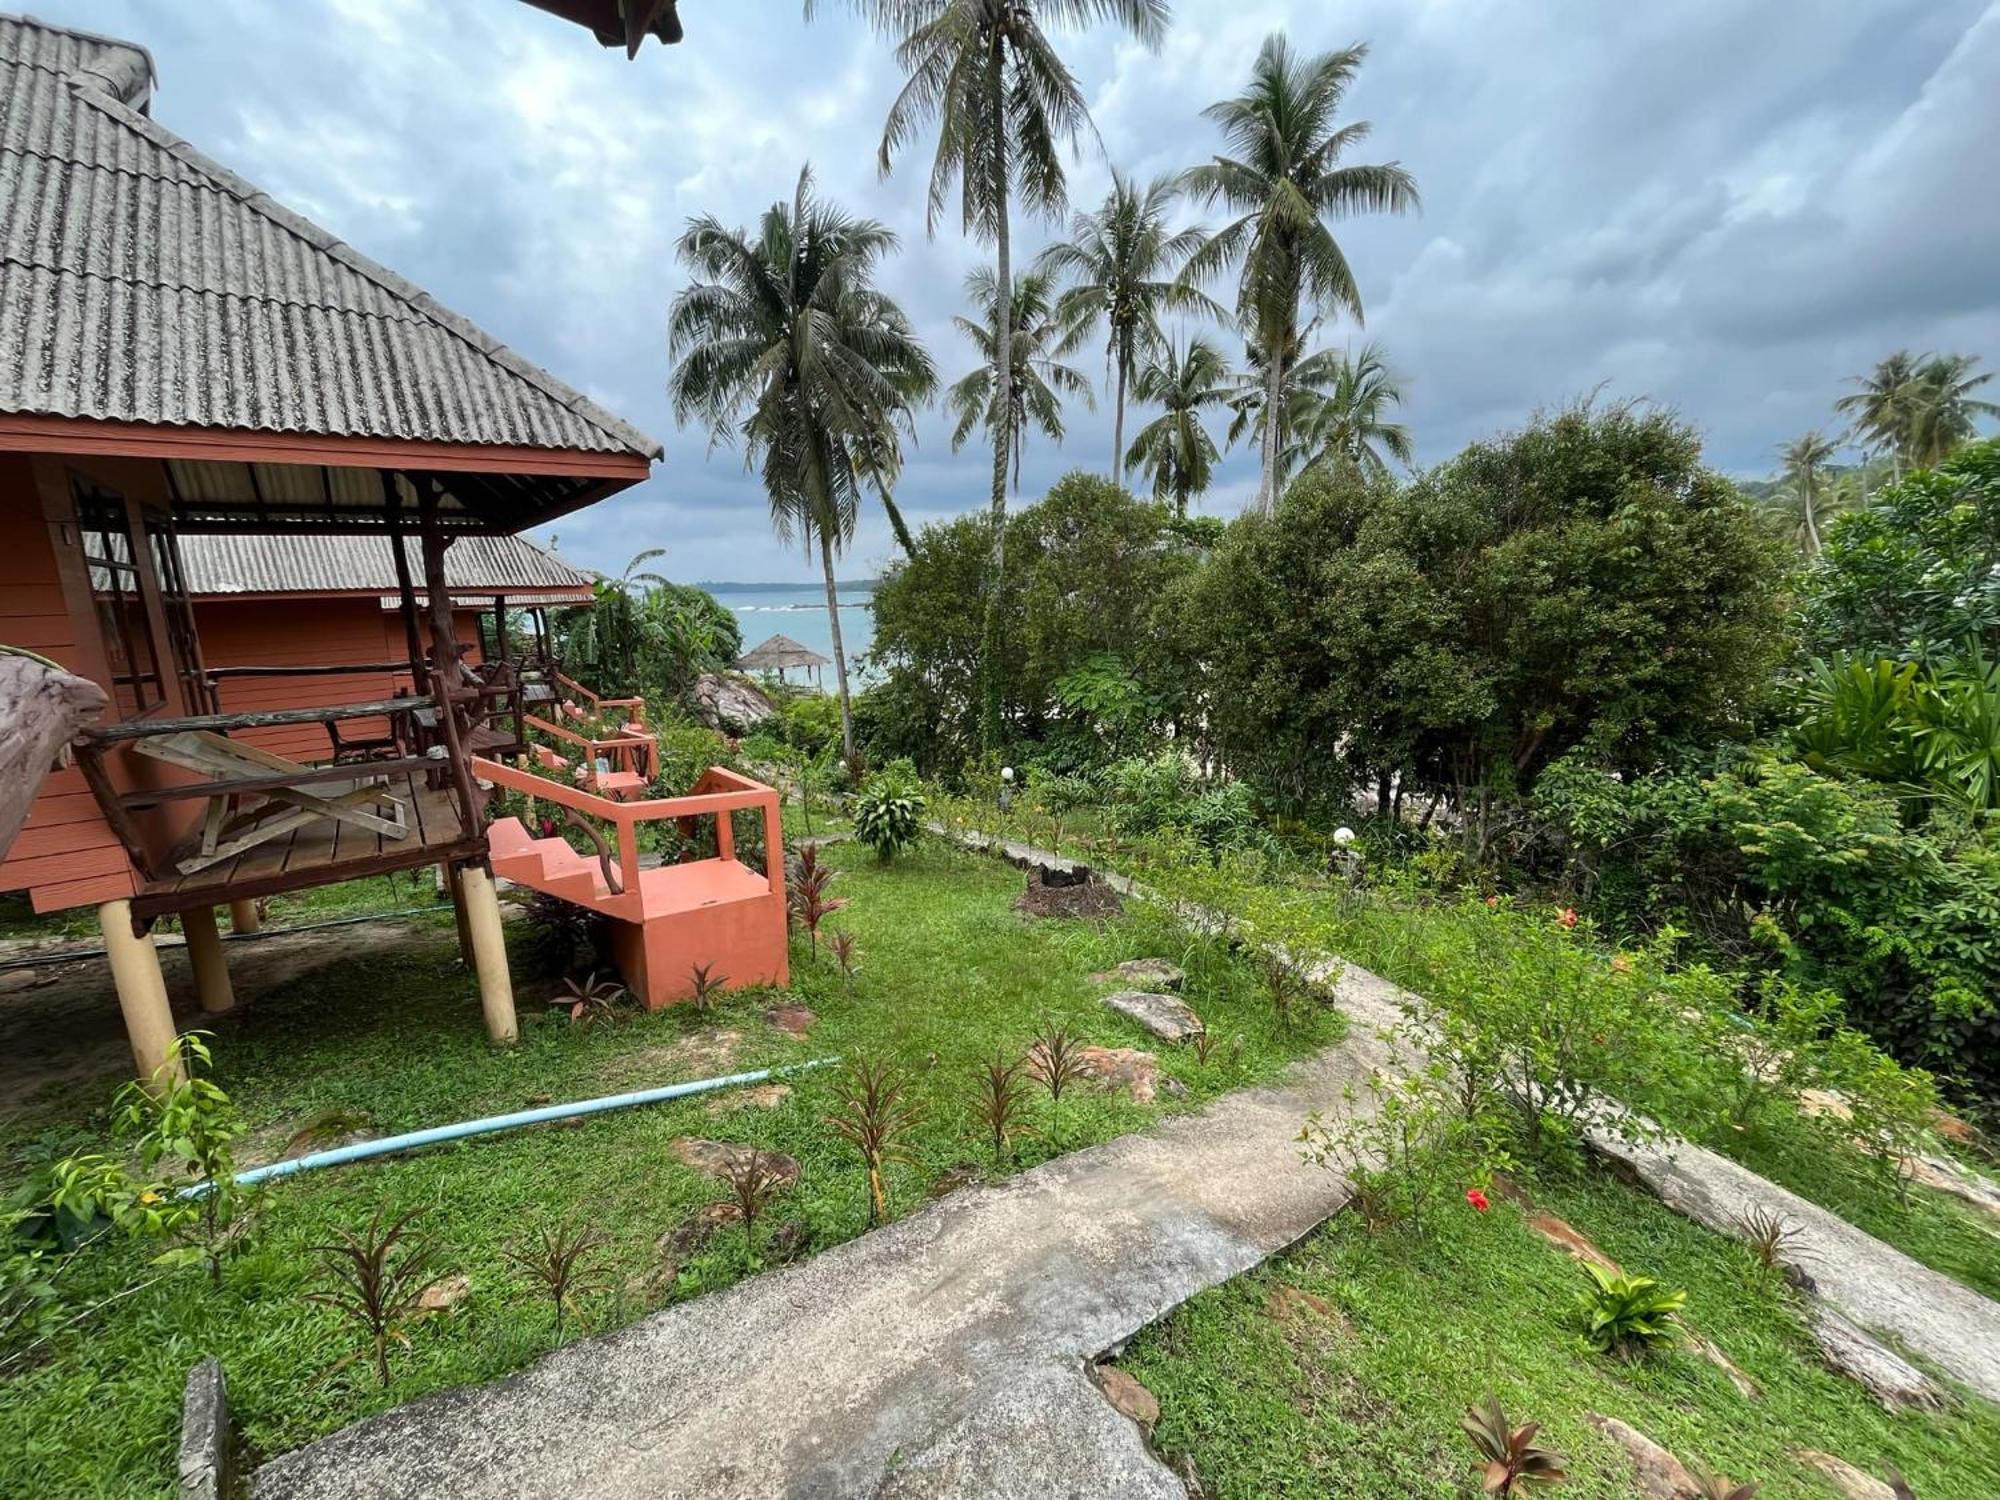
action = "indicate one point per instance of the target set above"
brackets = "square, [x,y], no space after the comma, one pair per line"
[716,912]
[633,758]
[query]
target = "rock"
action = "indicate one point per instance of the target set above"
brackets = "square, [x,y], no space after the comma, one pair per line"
[1166,1017]
[732,704]
[204,1464]
[1943,1175]
[1709,1350]
[1656,1473]
[1571,1241]
[1958,1132]
[793,1019]
[1110,1069]
[1173,1088]
[757,1096]
[720,1158]
[953,1178]
[1824,1104]
[1852,1483]
[1148,973]
[1124,1391]
[443,1296]
[787,1240]
[697,1229]
[1852,1351]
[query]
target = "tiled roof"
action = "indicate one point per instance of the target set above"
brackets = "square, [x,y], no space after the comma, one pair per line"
[142,282]
[483,565]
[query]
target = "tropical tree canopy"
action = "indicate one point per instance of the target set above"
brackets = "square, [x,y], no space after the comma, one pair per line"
[1285,179]
[1917,410]
[1041,380]
[787,342]
[1120,262]
[1174,449]
[1336,406]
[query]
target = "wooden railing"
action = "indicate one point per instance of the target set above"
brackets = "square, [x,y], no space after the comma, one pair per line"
[636,753]
[719,793]
[120,807]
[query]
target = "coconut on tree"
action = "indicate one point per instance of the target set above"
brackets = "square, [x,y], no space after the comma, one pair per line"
[1005,104]
[1286,179]
[785,340]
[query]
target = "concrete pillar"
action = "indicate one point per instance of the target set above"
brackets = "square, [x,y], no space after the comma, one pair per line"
[142,992]
[457,890]
[211,969]
[481,908]
[243,917]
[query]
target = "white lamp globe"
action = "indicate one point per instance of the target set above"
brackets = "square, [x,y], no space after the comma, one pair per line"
[1343,836]
[1007,773]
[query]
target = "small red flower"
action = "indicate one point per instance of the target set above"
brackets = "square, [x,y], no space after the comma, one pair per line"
[1477,1199]
[1567,916]
[1494,902]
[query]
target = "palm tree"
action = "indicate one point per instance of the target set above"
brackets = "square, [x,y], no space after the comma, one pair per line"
[1879,412]
[1805,460]
[786,339]
[1120,262]
[1346,404]
[1175,447]
[1004,104]
[1040,382]
[1285,181]
[1943,410]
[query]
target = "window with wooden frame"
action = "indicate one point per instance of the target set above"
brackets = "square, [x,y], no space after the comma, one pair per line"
[114,563]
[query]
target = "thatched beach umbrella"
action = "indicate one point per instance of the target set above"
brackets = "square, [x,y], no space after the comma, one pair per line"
[780,654]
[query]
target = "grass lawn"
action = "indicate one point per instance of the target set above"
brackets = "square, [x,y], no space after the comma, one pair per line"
[1367,1403]
[948,975]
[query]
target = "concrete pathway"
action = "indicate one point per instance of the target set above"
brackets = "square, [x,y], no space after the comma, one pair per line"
[943,1355]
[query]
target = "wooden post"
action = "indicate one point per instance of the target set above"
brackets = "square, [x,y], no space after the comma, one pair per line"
[243,917]
[211,970]
[444,662]
[456,887]
[406,596]
[489,952]
[142,993]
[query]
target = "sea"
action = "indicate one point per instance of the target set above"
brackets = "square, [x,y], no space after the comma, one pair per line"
[799,611]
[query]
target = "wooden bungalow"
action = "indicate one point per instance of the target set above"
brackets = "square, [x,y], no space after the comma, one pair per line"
[186,364]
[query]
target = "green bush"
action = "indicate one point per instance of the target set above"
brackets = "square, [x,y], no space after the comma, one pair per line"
[809,721]
[1628,1314]
[889,811]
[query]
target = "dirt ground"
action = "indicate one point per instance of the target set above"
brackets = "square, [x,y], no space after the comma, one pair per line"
[60,1026]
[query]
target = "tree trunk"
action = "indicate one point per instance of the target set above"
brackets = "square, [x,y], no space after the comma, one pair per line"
[1274,380]
[1118,430]
[42,708]
[1812,521]
[1003,424]
[839,653]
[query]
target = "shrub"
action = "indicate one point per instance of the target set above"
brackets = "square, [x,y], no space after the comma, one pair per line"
[876,1117]
[998,1105]
[589,1000]
[806,893]
[1628,1315]
[889,812]
[1509,1452]
[189,1126]
[378,1279]
[560,1259]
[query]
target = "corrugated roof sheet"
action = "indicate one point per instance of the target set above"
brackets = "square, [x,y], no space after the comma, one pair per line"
[488,565]
[142,282]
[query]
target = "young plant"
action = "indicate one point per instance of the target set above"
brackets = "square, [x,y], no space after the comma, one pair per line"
[807,893]
[707,985]
[889,814]
[999,1100]
[561,1259]
[1715,1487]
[753,1183]
[876,1117]
[1056,1061]
[1628,1315]
[841,946]
[378,1279]
[1202,1044]
[590,999]
[1769,1237]
[1281,987]
[1512,1459]
[189,1125]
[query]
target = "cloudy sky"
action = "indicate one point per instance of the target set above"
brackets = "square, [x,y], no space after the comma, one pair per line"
[1723,206]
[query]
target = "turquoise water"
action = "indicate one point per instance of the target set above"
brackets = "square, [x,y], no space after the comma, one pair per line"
[799,611]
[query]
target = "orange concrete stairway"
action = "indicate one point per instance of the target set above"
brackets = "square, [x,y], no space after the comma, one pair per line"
[716,913]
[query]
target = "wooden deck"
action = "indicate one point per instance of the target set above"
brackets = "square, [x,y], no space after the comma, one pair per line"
[324,852]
